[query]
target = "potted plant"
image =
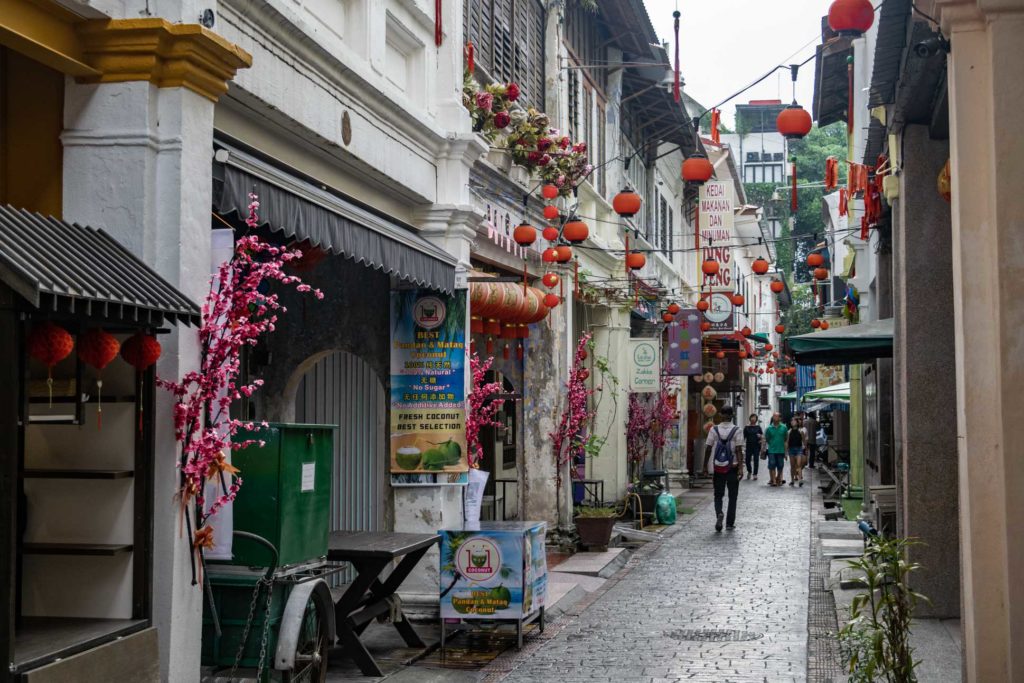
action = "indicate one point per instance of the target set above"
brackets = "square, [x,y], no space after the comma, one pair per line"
[594,525]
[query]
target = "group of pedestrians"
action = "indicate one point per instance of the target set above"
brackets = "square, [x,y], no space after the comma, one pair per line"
[726,448]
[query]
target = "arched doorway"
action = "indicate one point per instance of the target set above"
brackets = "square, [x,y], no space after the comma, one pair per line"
[343,390]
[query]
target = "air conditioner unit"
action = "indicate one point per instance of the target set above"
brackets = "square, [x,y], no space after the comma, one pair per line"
[883,509]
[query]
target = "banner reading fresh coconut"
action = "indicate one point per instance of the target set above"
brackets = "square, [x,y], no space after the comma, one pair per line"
[428,389]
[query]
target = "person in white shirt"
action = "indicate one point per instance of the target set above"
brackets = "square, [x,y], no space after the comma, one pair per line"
[725,442]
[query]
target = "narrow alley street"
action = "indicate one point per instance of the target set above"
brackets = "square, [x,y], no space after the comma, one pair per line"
[703,606]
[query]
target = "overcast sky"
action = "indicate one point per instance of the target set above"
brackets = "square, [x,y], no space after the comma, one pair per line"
[726,44]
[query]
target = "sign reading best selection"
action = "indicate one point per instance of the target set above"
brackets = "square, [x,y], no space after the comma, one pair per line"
[644,365]
[428,390]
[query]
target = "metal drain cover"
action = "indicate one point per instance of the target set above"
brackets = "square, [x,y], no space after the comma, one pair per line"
[713,635]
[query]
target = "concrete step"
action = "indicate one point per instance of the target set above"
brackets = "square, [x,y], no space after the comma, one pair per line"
[841,529]
[842,548]
[602,564]
[565,590]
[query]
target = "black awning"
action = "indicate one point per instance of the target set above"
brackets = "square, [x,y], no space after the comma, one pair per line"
[50,262]
[301,210]
[831,80]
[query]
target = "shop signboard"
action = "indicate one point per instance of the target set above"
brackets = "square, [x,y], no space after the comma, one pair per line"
[716,231]
[428,388]
[720,314]
[497,570]
[684,344]
[644,365]
[829,375]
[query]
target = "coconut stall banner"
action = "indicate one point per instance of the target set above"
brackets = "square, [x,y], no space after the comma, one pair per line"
[428,386]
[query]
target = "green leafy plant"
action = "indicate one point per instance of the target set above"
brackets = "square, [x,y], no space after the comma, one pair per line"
[877,637]
[602,512]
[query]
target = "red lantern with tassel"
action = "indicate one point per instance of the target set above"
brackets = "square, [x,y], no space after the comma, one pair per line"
[851,17]
[777,286]
[551,212]
[550,255]
[745,331]
[550,280]
[815,260]
[824,324]
[709,267]
[720,355]
[793,122]
[780,328]
[816,323]
[759,266]
[552,300]
[49,344]
[674,308]
[703,305]
[550,233]
[738,300]
[142,350]
[667,317]
[549,191]
[705,326]
[97,348]
[820,274]
[563,254]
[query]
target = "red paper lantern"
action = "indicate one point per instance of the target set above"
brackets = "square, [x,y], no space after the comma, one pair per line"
[757,353]
[705,326]
[49,344]
[550,280]
[549,255]
[794,122]
[551,212]
[770,364]
[97,348]
[524,234]
[821,274]
[142,350]
[777,286]
[745,331]
[626,203]
[720,354]
[549,191]
[667,317]
[635,260]
[742,353]
[815,259]
[550,233]
[674,308]
[851,17]
[476,326]
[492,327]
[583,374]
[737,300]
[489,347]
[824,324]
[575,231]
[780,328]
[505,352]
[552,300]
[709,267]
[703,305]
[769,347]
[759,266]
[815,323]
[563,254]
[697,169]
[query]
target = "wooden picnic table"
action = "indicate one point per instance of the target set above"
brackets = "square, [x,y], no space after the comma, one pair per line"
[369,596]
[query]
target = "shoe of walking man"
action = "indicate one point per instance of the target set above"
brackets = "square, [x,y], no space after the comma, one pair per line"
[775,441]
[753,442]
[727,459]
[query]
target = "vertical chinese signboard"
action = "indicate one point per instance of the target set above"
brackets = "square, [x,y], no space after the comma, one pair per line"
[428,390]
[716,237]
[684,344]
[645,365]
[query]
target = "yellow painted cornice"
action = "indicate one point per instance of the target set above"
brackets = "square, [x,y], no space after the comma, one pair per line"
[165,54]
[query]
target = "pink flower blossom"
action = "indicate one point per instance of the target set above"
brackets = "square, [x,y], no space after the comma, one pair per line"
[484,100]
[512,92]
[482,408]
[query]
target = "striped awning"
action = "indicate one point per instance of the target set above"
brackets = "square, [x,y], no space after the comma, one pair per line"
[65,266]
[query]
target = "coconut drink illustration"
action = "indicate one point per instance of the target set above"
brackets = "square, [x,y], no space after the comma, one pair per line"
[479,559]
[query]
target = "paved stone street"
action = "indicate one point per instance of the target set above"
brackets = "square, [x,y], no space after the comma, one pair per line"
[703,606]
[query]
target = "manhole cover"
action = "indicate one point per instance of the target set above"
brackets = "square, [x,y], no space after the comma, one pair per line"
[713,635]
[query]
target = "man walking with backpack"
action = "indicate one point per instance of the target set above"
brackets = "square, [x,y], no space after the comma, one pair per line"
[727,458]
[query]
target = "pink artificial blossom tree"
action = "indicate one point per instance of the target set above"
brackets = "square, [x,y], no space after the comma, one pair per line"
[638,430]
[482,408]
[236,314]
[569,438]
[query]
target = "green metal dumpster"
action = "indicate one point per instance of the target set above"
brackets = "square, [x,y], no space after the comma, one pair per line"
[286,493]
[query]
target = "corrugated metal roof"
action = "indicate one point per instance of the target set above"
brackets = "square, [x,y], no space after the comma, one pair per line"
[49,262]
[893,17]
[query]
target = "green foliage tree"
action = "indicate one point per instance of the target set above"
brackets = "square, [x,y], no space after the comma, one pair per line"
[797,318]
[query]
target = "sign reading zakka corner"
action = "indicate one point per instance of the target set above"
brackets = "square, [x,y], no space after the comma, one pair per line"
[645,365]
[428,392]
